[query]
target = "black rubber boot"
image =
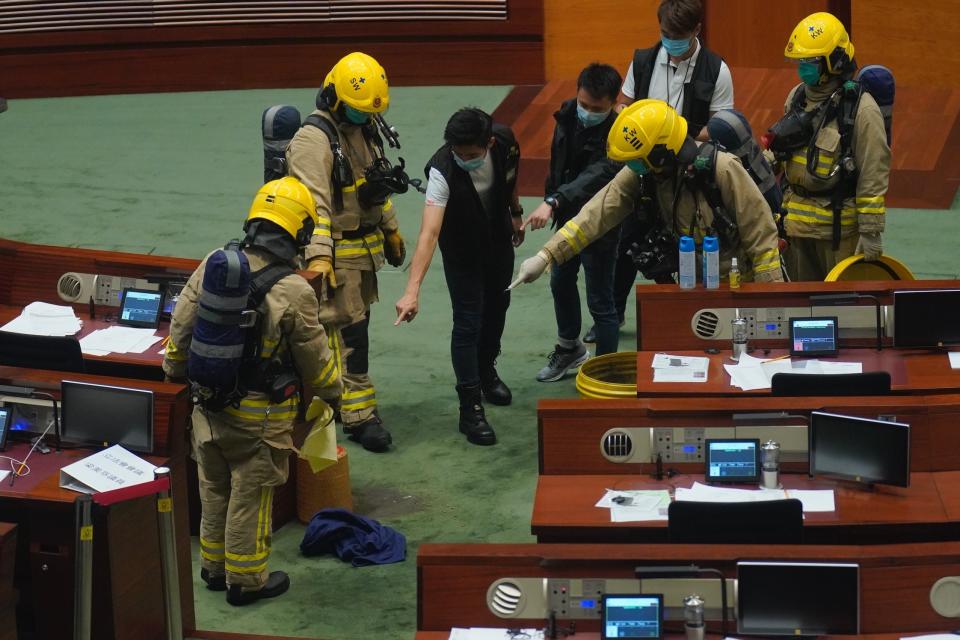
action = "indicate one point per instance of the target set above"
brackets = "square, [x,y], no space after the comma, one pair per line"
[370,433]
[277,584]
[495,391]
[215,581]
[473,421]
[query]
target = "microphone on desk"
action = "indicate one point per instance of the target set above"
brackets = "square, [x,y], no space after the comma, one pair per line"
[93,310]
[658,474]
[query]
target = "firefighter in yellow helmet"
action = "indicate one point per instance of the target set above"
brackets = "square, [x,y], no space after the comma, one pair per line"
[357,228]
[698,195]
[243,424]
[832,148]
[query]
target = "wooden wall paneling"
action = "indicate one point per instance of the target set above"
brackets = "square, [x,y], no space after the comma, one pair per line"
[894,598]
[753,33]
[578,33]
[914,39]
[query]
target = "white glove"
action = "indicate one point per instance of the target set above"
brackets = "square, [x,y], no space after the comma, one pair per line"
[870,245]
[531,269]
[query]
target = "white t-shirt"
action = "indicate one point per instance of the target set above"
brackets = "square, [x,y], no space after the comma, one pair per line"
[668,79]
[438,191]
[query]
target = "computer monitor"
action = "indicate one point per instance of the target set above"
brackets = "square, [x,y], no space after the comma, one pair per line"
[798,598]
[96,414]
[860,449]
[926,318]
[141,308]
[4,426]
[732,460]
[632,616]
[813,336]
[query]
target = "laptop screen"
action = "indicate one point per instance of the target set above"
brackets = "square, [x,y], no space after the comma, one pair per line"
[632,616]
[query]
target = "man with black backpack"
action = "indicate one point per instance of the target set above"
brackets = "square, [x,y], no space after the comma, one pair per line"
[834,151]
[336,155]
[246,333]
[700,192]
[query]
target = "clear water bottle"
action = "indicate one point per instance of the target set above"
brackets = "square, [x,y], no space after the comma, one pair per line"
[711,262]
[693,617]
[688,263]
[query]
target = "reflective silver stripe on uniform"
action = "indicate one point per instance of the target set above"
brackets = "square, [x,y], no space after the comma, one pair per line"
[738,128]
[227,303]
[225,352]
[268,120]
[233,269]
[219,318]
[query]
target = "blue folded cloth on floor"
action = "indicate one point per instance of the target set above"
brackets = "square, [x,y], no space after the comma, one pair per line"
[352,538]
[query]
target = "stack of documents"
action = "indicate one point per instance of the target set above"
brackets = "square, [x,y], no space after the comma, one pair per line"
[43,319]
[667,368]
[635,506]
[112,468]
[480,633]
[118,340]
[754,373]
[954,359]
[812,499]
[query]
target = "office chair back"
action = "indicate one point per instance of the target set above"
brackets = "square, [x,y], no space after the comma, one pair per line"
[874,383]
[40,352]
[769,522]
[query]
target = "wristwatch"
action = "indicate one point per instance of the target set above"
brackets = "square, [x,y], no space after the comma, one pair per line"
[553,202]
[518,212]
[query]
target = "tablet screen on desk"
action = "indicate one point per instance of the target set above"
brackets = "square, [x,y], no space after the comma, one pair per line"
[632,616]
[813,336]
[140,308]
[733,460]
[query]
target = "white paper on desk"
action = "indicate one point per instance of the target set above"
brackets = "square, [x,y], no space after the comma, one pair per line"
[43,319]
[954,359]
[700,492]
[112,468]
[631,514]
[747,378]
[481,633]
[638,499]
[814,500]
[118,339]
[3,475]
[931,636]
[827,366]
[668,368]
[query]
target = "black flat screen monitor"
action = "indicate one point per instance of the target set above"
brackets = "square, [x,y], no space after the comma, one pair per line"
[926,318]
[141,308]
[4,426]
[798,598]
[732,460]
[813,336]
[860,449]
[632,616]
[95,414]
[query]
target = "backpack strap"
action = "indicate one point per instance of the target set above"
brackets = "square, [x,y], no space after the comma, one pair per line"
[704,180]
[262,280]
[643,61]
[698,92]
[342,172]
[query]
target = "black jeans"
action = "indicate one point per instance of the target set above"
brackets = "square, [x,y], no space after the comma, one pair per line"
[479,299]
[598,261]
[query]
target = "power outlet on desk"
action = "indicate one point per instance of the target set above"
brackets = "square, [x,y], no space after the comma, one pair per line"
[109,289]
[575,599]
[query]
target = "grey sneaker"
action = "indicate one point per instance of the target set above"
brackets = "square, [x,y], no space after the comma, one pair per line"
[561,360]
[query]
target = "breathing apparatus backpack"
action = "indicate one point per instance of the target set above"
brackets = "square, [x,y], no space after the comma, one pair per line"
[280,123]
[224,362]
[731,131]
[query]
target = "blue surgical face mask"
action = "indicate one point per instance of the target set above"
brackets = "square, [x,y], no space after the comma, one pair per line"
[469,165]
[676,48]
[639,167]
[591,118]
[355,116]
[809,73]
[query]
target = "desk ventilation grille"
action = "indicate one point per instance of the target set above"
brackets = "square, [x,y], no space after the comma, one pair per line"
[76,287]
[945,597]
[617,446]
[706,324]
[505,599]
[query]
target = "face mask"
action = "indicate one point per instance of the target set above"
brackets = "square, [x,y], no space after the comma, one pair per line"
[809,73]
[676,48]
[639,167]
[591,118]
[469,165]
[354,116]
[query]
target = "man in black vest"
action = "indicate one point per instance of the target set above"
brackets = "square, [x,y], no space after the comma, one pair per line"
[579,167]
[693,80]
[473,210]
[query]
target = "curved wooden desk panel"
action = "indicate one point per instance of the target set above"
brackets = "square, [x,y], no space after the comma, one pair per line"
[895,580]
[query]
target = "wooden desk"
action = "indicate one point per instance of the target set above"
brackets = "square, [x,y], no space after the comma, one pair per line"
[895,580]
[564,510]
[912,371]
[127,594]
[665,312]
[571,431]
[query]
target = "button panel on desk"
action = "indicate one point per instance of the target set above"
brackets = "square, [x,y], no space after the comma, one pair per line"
[682,444]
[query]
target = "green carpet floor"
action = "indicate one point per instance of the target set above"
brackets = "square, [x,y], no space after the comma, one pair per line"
[173,174]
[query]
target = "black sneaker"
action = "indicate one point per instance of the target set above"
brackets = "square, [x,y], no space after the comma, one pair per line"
[370,433]
[562,360]
[215,581]
[277,584]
